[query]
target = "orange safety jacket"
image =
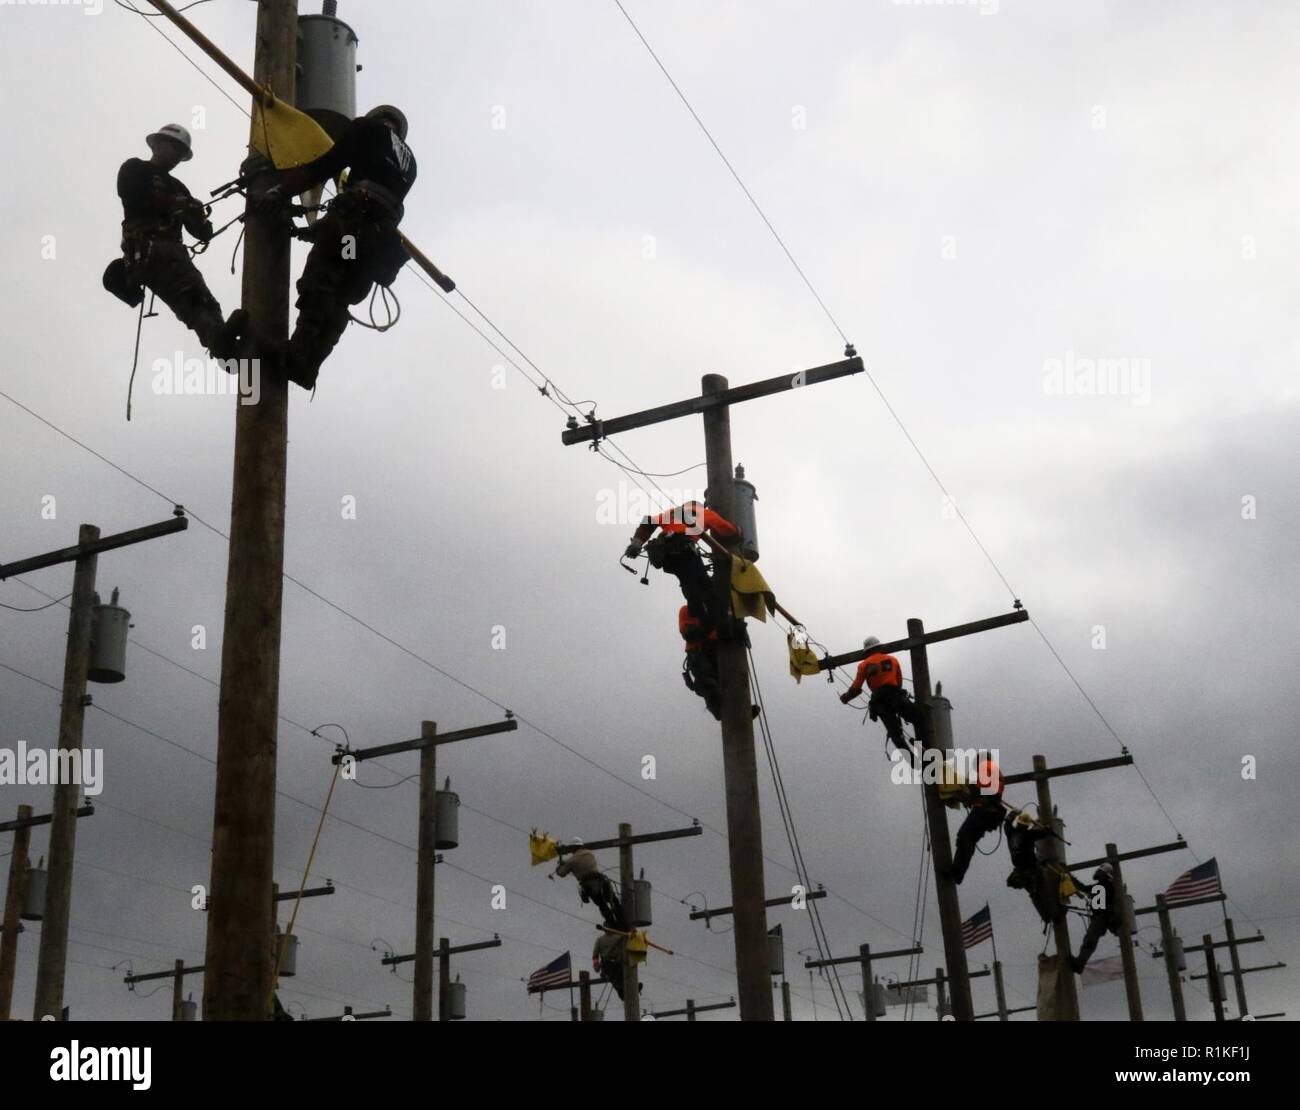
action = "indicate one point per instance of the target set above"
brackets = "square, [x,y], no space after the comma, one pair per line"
[876,671]
[690,519]
[692,629]
[987,774]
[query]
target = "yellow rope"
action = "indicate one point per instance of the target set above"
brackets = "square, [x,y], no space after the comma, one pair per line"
[293,917]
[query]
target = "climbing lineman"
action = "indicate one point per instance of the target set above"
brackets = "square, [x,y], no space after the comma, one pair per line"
[984,806]
[593,884]
[889,702]
[1023,834]
[700,667]
[1103,917]
[356,244]
[675,551]
[155,209]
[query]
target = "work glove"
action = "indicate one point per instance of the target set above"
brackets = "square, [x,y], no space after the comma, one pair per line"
[846,697]
[269,202]
[633,550]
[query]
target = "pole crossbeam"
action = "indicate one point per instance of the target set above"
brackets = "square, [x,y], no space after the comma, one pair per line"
[310,892]
[1244,970]
[43,819]
[1140,853]
[937,979]
[435,741]
[389,961]
[912,642]
[1067,769]
[639,838]
[131,980]
[658,1015]
[726,911]
[722,398]
[840,961]
[96,547]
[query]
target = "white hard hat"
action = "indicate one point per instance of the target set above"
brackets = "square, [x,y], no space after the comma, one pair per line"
[870,642]
[177,134]
[573,842]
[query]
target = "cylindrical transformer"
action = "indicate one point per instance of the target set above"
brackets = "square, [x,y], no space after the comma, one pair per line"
[746,519]
[108,629]
[1130,915]
[597,1015]
[447,820]
[456,1000]
[1180,958]
[941,719]
[288,956]
[878,998]
[641,914]
[776,953]
[34,894]
[189,1010]
[327,71]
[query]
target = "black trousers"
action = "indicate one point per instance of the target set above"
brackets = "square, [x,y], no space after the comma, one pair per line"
[683,561]
[701,674]
[888,704]
[1099,924]
[984,817]
[597,888]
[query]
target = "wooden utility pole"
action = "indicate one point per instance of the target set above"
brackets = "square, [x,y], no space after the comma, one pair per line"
[785,1001]
[739,764]
[53,954]
[1132,988]
[1052,851]
[584,996]
[627,886]
[954,951]
[426,845]
[12,926]
[240,953]
[426,852]
[1167,942]
[1001,992]
[1212,973]
[178,983]
[1237,977]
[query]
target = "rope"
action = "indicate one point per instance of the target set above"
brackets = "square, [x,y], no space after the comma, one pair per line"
[384,292]
[135,358]
[288,932]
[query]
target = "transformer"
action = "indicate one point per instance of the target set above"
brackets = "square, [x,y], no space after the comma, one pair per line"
[640,907]
[746,520]
[288,954]
[456,1000]
[776,951]
[446,818]
[108,630]
[327,70]
[189,1010]
[34,893]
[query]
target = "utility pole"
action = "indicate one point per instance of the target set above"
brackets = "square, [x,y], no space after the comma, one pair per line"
[12,926]
[916,643]
[739,764]
[178,982]
[864,960]
[1167,942]
[627,884]
[1051,850]
[240,956]
[1212,973]
[584,996]
[445,951]
[785,1001]
[53,954]
[426,844]
[176,975]
[1236,967]
[739,761]
[1000,990]
[1131,986]
[51,962]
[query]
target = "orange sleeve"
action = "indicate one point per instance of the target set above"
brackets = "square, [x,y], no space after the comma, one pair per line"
[720,525]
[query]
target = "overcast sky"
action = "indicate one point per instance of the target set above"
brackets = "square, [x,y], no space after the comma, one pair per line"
[986,197]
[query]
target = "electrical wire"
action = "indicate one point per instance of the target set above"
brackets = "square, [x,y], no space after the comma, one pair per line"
[39,608]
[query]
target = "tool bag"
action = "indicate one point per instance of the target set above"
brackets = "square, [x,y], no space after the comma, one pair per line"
[117,283]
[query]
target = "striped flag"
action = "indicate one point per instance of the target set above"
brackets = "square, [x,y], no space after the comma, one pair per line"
[1201,881]
[1103,971]
[555,974]
[977,929]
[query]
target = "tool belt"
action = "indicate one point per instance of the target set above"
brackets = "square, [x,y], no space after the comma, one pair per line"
[376,212]
[376,194]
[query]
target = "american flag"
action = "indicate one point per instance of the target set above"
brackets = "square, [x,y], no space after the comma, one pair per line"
[1103,971]
[977,929]
[555,974]
[1201,881]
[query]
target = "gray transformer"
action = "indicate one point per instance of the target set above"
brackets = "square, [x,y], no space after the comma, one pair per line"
[446,818]
[108,629]
[746,519]
[327,71]
[34,893]
[641,915]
